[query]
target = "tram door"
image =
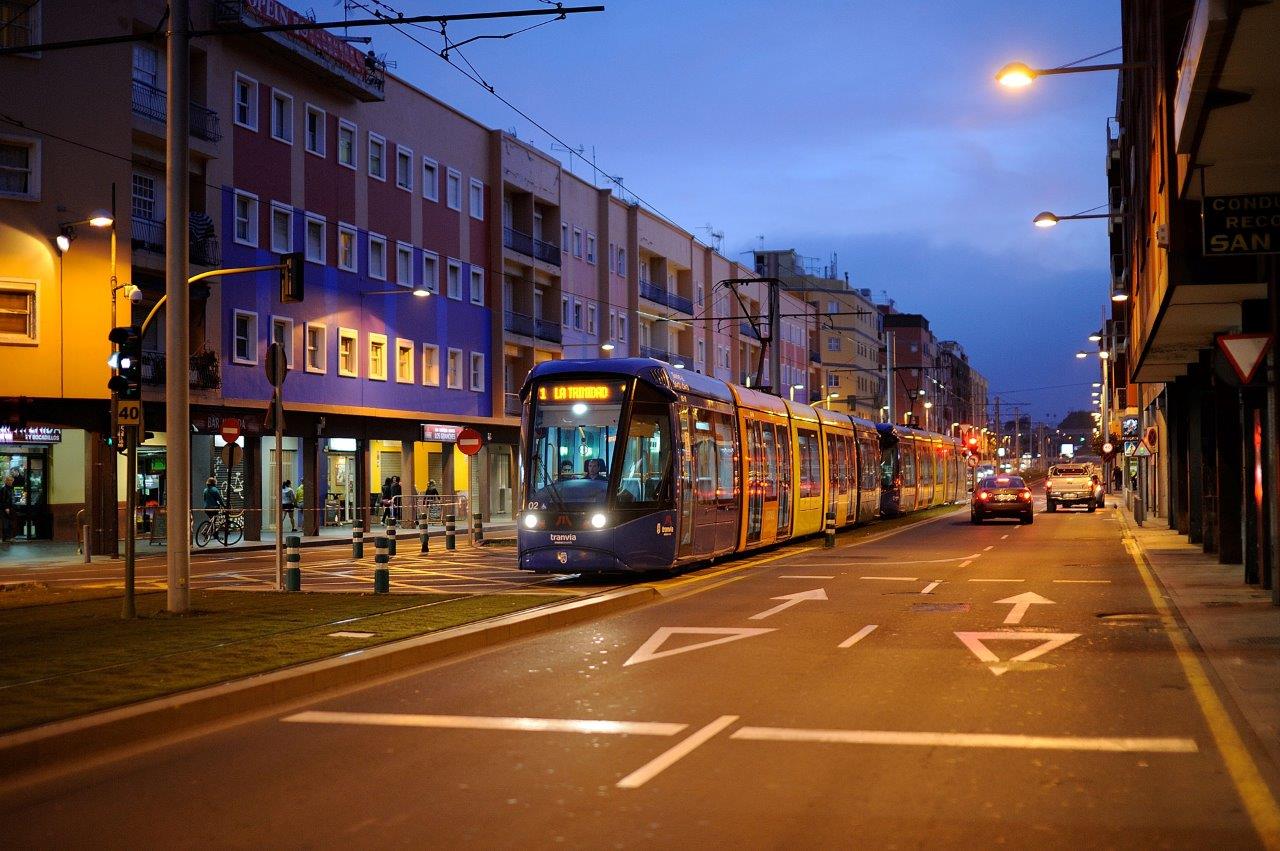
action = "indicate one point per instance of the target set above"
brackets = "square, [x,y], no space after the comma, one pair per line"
[727,479]
[705,506]
[755,482]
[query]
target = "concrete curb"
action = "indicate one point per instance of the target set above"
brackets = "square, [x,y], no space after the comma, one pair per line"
[95,737]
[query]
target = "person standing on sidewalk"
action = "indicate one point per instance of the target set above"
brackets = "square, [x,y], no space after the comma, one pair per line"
[6,509]
[386,500]
[396,493]
[288,502]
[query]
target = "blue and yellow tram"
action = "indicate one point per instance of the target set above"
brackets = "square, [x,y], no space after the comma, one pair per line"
[632,465]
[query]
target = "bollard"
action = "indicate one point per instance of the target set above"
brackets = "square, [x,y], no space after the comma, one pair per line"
[293,563]
[391,538]
[357,539]
[450,532]
[830,539]
[381,573]
[422,531]
[477,528]
[85,544]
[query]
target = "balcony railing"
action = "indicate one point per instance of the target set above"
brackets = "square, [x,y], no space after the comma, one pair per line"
[815,357]
[546,330]
[149,102]
[511,404]
[653,292]
[680,303]
[654,352]
[148,235]
[546,252]
[517,323]
[517,241]
[203,372]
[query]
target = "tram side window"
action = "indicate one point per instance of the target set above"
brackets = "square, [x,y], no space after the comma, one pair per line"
[704,457]
[925,473]
[810,464]
[726,457]
[889,461]
[785,478]
[833,465]
[647,459]
[686,480]
[770,462]
[869,454]
[908,461]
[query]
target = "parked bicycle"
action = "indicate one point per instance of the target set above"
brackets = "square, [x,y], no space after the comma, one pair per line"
[224,527]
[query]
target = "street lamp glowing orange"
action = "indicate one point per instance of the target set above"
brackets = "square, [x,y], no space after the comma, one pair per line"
[1045,220]
[1015,75]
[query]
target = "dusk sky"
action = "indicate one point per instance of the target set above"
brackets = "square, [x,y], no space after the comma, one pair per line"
[870,130]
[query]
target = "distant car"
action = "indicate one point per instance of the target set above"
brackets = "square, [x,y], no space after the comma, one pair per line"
[1001,496]
[1071,484]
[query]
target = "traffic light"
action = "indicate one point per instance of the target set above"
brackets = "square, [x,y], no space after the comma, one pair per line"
[291,278]
[972,443]
[126,360]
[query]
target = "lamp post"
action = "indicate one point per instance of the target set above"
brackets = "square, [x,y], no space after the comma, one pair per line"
[1018,75]
[792,390]
[831,397]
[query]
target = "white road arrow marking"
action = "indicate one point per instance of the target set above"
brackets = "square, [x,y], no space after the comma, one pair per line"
[649,650]
[1021,603]
[790,600]
[858,636]
[1049,641]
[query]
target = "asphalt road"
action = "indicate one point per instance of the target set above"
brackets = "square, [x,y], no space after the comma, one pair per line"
[902,692]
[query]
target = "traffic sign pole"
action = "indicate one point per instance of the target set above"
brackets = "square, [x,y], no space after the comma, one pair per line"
[129,611]
[277,368]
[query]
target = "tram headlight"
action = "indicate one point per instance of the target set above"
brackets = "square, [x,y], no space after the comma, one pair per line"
[531,521]
[598,520]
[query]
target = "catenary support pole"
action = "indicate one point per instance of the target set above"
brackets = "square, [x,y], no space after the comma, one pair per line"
[177,347]
[128,610]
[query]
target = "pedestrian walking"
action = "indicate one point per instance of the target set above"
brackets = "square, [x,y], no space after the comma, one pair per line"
[6,509]
[385,500]
[396,493]
[288,502]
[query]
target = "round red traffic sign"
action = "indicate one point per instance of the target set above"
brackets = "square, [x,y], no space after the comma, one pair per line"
[469,441]
[230,429]
[1107,449]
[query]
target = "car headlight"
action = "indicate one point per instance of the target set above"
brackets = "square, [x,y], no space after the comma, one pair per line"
[530,521]
[598,520]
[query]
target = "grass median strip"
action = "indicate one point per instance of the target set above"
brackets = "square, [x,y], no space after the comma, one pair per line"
[67,659]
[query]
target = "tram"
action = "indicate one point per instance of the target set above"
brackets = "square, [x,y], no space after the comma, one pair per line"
[632,465]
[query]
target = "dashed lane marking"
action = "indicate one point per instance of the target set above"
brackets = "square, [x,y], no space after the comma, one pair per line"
[663,761]
[988,549]
[798,576]
[966,563]
[1084,581]
[857,636]
[892,578]
[997,580]
[1003,537]
[1106,744]
[928,589]
[468,722]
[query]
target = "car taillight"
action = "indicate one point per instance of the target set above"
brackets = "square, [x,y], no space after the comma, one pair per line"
[983,496]
[1024,495]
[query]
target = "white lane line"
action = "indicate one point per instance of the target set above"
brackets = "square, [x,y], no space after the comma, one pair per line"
[966,563]
[988,549]
[1108,744]
[997,580]
[663,761]
[469,722]
[1002,537]
[1085,581]
[891,578]
[928,589]
[858,636]
[806,577]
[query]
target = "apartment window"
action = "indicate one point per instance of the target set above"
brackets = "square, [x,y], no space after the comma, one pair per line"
[281,228]
[281,117]
[477,285]
[346,143]
[477,372]
[833,344]
[577,314]
[699,293]
[146,59]
[701,351]
[404,168]
[566,318]
[377,257]
[20,23]
[622,327]
[378,357]
[622,262]
[315,227]
[591,248]
[833,380]
[315,345]
[282,333]
[453,190]
[476,199]
[431,271]
[144,197]
[246,106]
[613,324]
[455,369]
[245,343]
[453,281]
[346,248]
[19,167]
[577,242]
[315,130]
[832,308]
[348,340]
[430,179]
[404,264]
[430,365]
[377,156]
[246,218]
[591,319]
[18,312]
[404,361]
[564,236]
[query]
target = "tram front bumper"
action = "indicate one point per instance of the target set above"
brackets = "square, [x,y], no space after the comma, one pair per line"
[570,559]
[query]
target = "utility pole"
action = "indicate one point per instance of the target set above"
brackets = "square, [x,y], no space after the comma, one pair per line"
[775,335]
[888,375]
[998,443]
[177,347]
[1017,437]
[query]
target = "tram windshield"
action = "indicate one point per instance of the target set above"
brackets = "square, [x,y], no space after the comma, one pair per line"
[572,453]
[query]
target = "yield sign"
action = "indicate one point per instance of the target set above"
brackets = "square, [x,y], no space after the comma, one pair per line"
[1048,641]
[649,650]
[1245,352]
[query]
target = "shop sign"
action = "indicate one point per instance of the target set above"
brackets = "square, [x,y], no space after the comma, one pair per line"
[440,433]
[212,423]
[1241,224]
[30,434]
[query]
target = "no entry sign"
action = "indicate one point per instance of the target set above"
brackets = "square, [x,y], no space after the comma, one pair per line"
[469,441]
[230,430]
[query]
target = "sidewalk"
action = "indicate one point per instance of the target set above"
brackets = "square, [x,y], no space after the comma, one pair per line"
[1235,626]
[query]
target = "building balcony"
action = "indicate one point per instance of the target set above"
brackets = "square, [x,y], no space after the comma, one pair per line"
[815,357]
[511,404]
[653,292]
[680,303]
[149,102]
[546,252]
[148,235]
[517,323]
[203,371]
[517,241]
[654,352]
[546,330]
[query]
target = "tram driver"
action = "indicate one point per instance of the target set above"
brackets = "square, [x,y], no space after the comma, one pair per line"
[596,469]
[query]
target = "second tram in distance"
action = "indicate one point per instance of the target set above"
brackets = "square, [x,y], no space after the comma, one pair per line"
[631,465]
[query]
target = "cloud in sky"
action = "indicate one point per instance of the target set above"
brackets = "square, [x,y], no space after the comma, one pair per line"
[870,129]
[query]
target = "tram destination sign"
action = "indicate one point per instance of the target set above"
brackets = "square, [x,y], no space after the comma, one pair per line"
[599,391]
[1241,224]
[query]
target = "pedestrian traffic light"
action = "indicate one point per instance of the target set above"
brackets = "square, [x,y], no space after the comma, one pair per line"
[126,360]
[291,278]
